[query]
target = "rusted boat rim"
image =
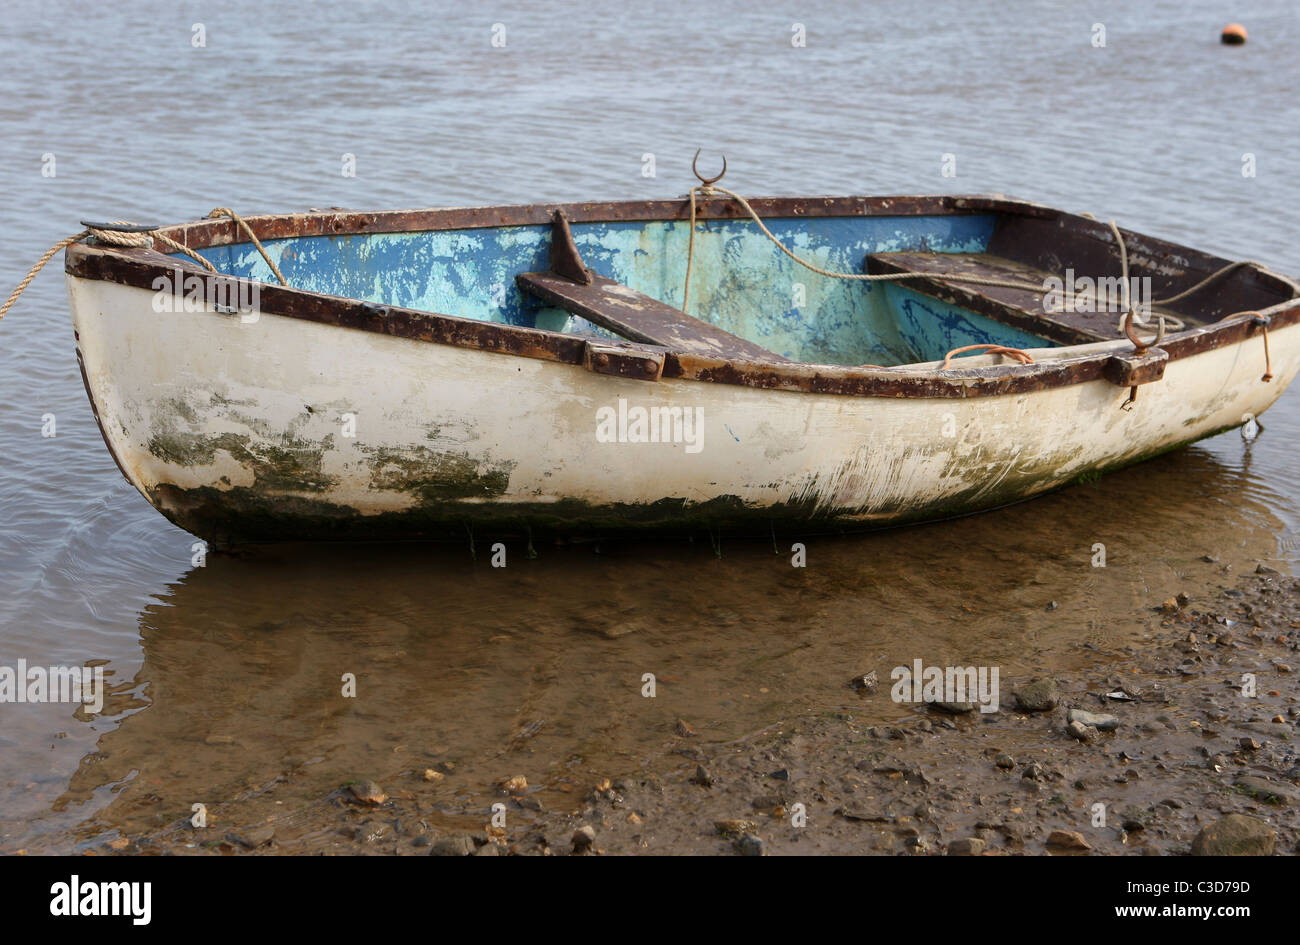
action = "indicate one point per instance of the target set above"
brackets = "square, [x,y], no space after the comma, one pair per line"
[142,267]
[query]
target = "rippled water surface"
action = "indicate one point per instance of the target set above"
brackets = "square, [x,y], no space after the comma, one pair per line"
[225,677]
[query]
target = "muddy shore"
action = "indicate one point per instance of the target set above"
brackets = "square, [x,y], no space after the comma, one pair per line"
[1186,746]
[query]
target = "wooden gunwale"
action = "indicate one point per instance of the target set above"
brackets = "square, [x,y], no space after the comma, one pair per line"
[142,267]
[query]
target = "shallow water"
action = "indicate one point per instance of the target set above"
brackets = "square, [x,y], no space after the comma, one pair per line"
[537,667]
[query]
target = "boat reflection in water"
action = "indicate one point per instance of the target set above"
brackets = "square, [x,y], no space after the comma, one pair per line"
[539,668]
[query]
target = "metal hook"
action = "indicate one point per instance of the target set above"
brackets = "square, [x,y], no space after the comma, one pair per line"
[707,181]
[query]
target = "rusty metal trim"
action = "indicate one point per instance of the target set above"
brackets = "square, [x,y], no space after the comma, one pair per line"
[566,261]
[1132,368]
[634,362]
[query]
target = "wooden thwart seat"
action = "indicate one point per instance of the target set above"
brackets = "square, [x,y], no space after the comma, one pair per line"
[570,286]
[1018,308]
[638,317]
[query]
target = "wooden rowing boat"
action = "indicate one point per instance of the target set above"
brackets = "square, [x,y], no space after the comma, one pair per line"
[529,368]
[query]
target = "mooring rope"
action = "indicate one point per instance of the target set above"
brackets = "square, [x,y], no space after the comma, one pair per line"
[138,239]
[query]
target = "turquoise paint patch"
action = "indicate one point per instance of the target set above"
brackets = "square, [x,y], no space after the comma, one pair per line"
[932,328]
[739,281]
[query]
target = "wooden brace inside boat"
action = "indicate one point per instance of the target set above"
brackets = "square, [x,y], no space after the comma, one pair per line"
[571,286]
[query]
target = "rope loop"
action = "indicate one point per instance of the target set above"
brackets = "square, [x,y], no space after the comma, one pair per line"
[137,236]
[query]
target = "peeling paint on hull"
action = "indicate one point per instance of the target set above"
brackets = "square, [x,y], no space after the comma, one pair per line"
[241,432]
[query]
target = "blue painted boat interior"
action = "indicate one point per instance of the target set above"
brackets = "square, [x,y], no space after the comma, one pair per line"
[739,281]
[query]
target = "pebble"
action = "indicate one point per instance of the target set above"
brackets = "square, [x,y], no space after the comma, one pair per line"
[1266,791]
[702,776]
[955,708]
[514,785]
[1084,733]
[1033,772]
[584,838]
[749,845]
[461,844]
[734,826]
[866,683]
[684,729]
[431,775]
[1235,835]
[1104,723]
[1037,696]
[368,792]
[967,846]
[1068,840]
[1004,761]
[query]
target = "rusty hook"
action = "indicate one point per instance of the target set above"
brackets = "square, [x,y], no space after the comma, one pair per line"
[707,181]
[1139,345]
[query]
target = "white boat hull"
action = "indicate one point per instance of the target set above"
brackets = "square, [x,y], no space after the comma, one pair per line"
[279,427]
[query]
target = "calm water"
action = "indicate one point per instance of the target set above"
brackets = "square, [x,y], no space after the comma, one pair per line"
[226,677]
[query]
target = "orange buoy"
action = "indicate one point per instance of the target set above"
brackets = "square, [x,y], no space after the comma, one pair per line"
[1234,34]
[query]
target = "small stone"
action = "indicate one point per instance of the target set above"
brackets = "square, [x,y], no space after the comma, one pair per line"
[488,849]
[748,844]
[702,776]
[1249,744]
[1104,723]
[1052,605]
[584,838]
[734,826]
[967,846]
[633,818]
[955,708]
[1038,696]
[1068,840]
[514,785]
[1033,772]
[1261,790]
[1170,606]
[1004,761]
[1084,733]
[368,792]
[260,836]
[866,683]
[1235,835]
[431,775]
[119,843]
[1267,571]
[219,740]
[683,729]
[781,774]
[461,844]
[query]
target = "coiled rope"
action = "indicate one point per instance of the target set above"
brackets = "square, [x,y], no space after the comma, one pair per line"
[138,239]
